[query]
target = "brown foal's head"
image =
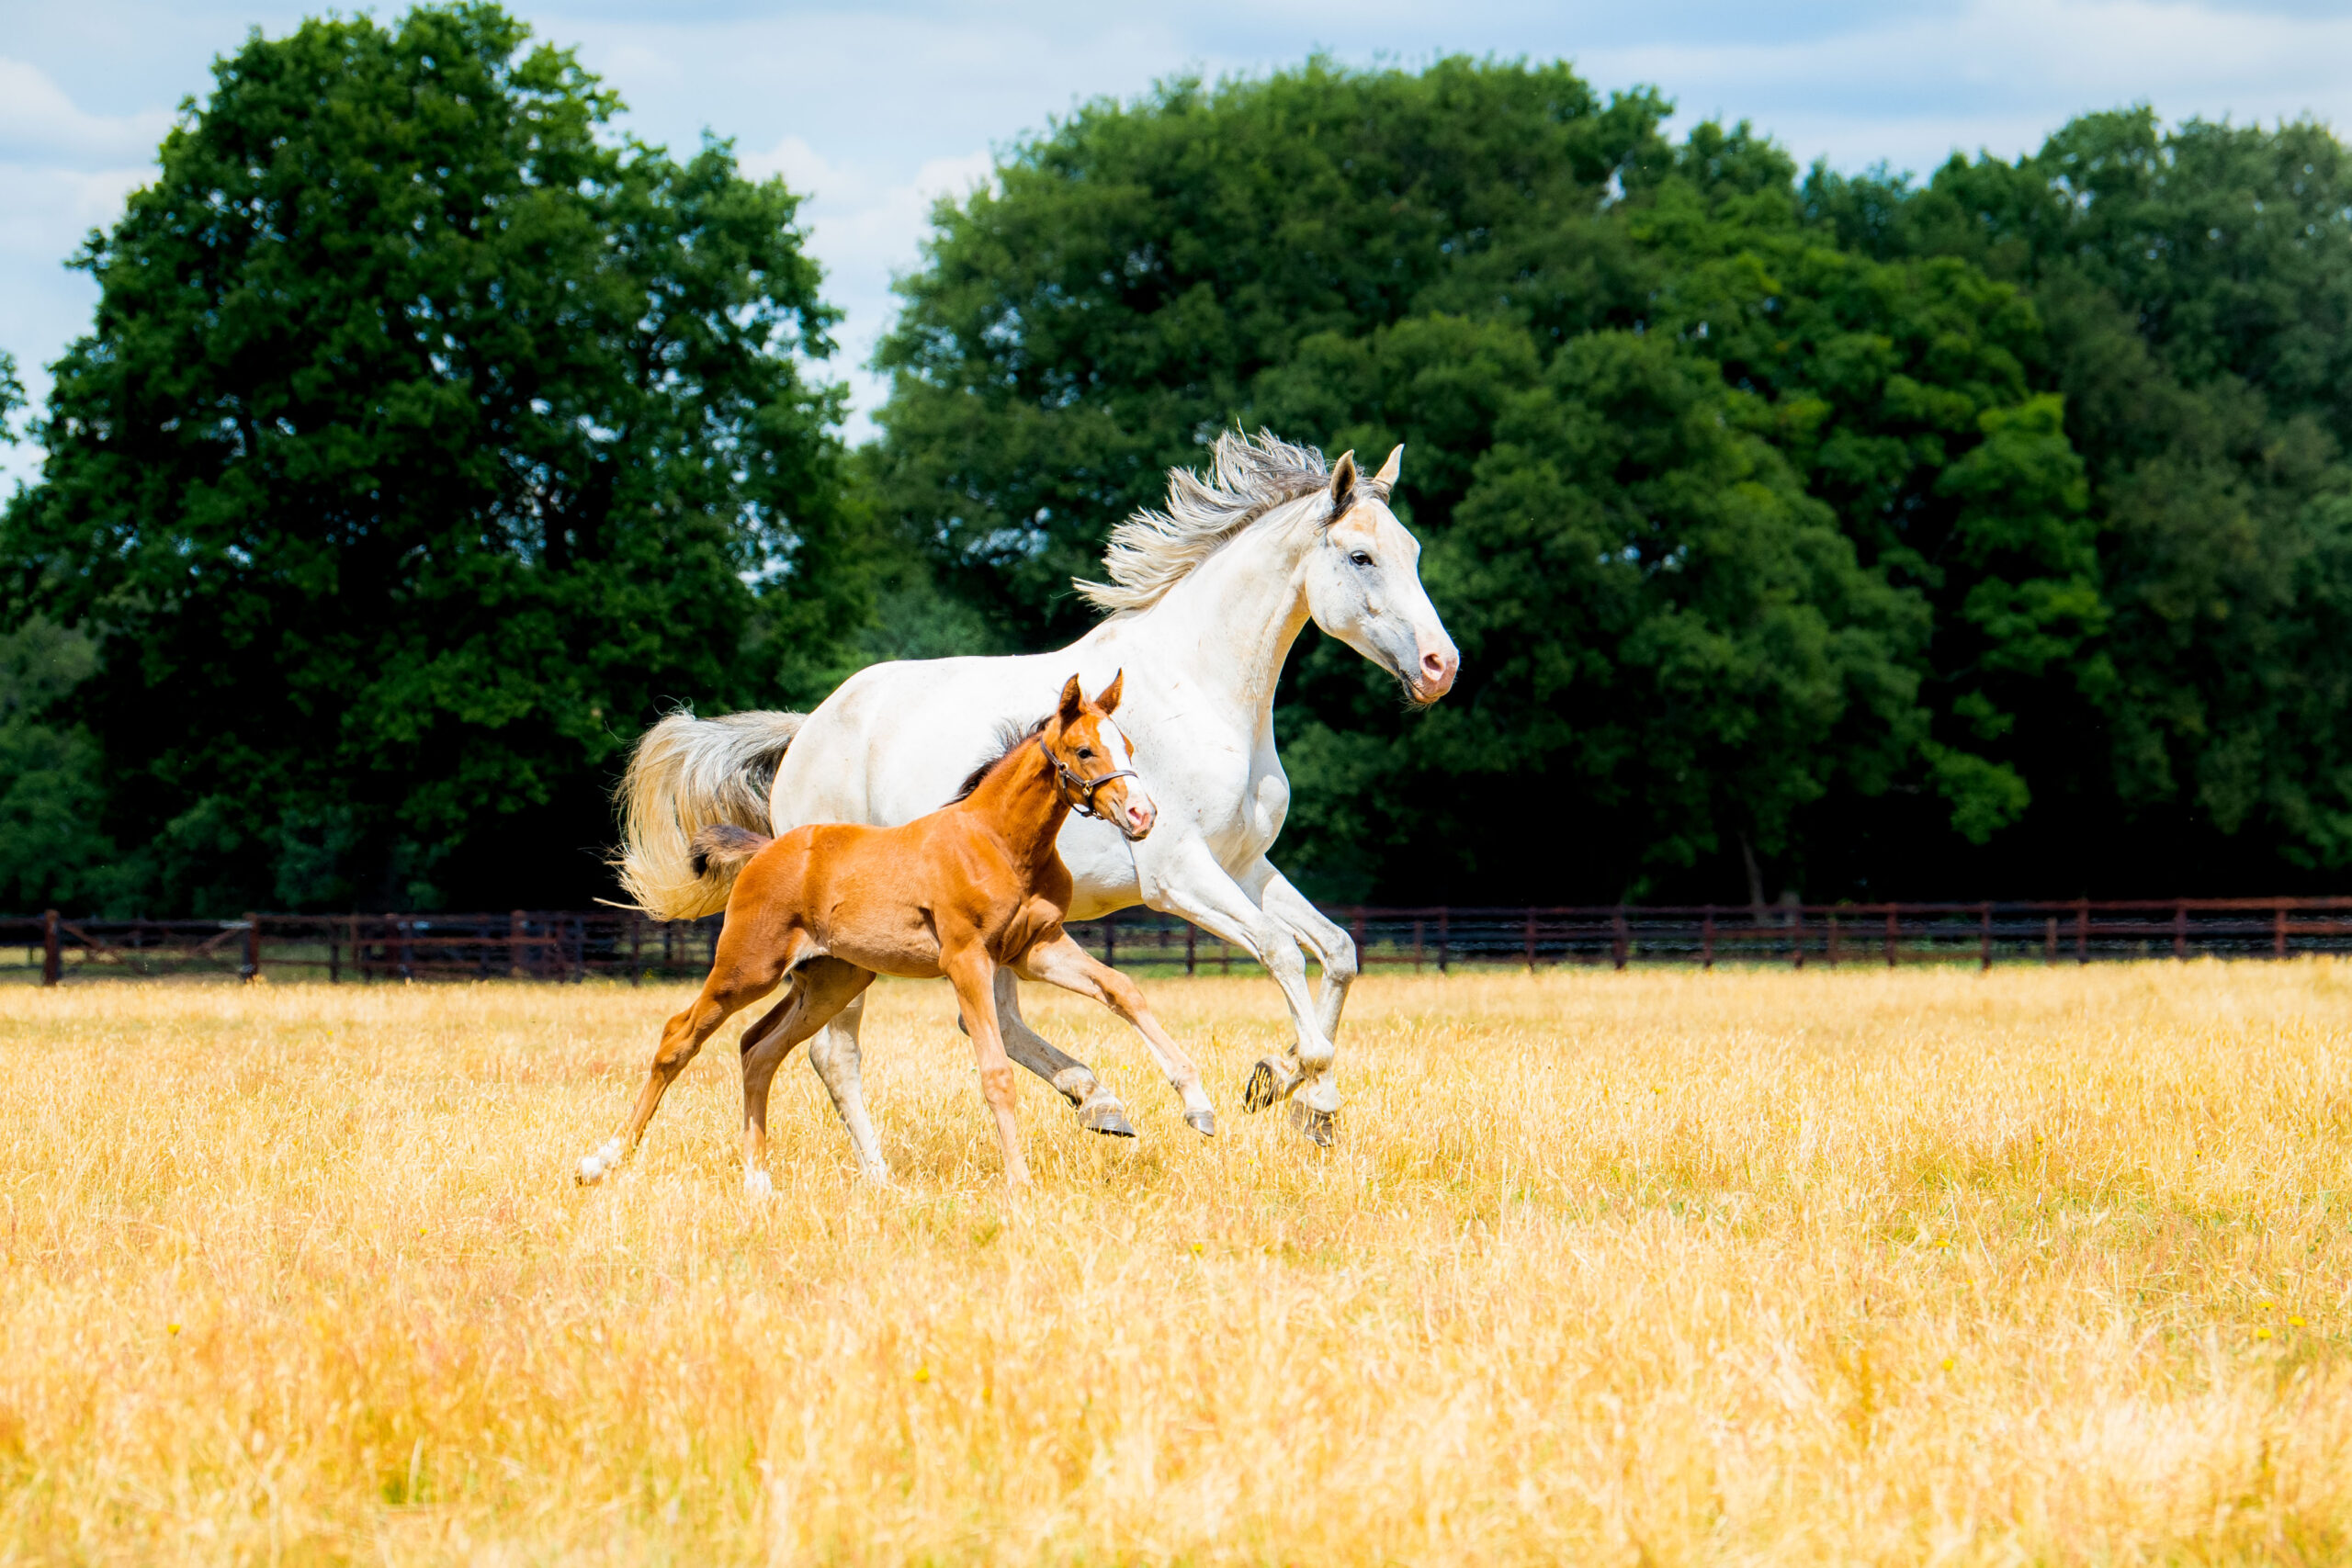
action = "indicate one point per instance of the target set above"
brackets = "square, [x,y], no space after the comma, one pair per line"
[1095,764]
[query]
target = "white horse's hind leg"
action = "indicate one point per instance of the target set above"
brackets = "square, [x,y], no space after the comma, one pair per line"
[834,1052]
[1317,1101]
[1099,1110]
[1065,963]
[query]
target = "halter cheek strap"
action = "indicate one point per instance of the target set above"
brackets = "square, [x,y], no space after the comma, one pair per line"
[1084,803]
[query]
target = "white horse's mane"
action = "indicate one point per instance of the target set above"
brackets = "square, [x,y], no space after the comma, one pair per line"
[1249,476]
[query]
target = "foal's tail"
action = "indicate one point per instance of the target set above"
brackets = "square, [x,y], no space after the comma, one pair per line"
[685,775]
[725,847]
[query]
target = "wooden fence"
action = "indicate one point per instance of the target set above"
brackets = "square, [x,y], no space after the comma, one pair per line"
[569,945]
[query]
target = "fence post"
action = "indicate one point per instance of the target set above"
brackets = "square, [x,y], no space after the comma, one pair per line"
[1444,937]
[2082,930]
[515,944]
[1984,941]
[1192,935]
[1891,933]
[253,946]
[1530,941]
[1355,933]
[53,961]
[1707,940]
[1110,939]
[1797,934]
[2050,940]
[2180,929]
[2278,931]
[1618,936]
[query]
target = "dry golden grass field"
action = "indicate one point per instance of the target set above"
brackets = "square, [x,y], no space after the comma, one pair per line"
[2037,1266]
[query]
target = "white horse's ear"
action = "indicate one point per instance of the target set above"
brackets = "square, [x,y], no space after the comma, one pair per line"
[1391,468]
[1073,701]
[1109,701]
[1343,481]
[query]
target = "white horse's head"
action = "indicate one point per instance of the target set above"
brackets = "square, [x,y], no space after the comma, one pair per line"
[1364,585]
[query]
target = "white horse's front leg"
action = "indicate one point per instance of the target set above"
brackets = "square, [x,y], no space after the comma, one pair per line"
[1191,883]
[1317,1101]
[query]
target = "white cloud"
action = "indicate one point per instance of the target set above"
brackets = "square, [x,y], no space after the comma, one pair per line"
[39,123]
[876,108]
[1999,74]
[864,225]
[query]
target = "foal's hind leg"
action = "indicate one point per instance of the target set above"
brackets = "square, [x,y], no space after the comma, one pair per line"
[1063,963]
[821,989]
[735,983]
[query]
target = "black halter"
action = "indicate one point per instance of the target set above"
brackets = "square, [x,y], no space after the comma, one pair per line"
[1084,804]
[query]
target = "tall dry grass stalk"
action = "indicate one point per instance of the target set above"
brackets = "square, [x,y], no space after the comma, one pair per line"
[1752,1268]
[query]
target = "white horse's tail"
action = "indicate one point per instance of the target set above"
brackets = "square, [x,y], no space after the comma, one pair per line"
[686,774]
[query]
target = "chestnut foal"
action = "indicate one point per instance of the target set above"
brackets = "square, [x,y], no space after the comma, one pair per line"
[975,885]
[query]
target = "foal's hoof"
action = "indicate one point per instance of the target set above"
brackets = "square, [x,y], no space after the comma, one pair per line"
[594,1167]
[1201,1121]
[1269,1082]
[1321,1128]
[1105,1115]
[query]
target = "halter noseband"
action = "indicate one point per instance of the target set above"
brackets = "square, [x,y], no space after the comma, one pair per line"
[1084,804]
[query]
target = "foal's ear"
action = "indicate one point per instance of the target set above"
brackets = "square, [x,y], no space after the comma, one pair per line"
[1343,482]
[1109,701]
[1073,701]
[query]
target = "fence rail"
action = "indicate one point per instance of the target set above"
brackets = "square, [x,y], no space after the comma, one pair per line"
[565,945]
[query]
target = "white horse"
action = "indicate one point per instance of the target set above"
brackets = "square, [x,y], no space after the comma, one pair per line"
[1205,599]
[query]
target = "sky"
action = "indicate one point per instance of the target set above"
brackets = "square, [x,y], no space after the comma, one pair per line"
[874,110]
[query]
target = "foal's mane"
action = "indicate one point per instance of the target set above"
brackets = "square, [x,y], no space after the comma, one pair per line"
[1248,477]
[1011,736]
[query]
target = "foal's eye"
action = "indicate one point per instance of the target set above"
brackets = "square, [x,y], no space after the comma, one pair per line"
[1086,753]
[1360,559]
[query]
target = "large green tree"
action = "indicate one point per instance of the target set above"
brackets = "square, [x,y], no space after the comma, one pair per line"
[430,436]
[2195,288]
[1700,488]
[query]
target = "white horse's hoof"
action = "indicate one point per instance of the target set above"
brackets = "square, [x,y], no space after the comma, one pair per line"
[757,1185]
[1103,1113]
[1321,1128]
[1270,1080]
[594,1167]
[1201,1121]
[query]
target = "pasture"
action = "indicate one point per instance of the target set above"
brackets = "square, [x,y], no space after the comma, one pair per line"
[1752,1266]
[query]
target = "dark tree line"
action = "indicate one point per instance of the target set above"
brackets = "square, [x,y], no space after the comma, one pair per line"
[1849,535]
[1855,535]
[428,440]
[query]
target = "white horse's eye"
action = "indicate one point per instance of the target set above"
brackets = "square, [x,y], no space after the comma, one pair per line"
[1360,559]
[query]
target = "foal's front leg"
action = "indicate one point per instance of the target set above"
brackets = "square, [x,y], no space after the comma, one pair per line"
[1061,962]
[973,972]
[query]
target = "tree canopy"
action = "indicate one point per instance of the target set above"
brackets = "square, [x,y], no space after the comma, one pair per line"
[430,437]
[1765,530]
[1851,535]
